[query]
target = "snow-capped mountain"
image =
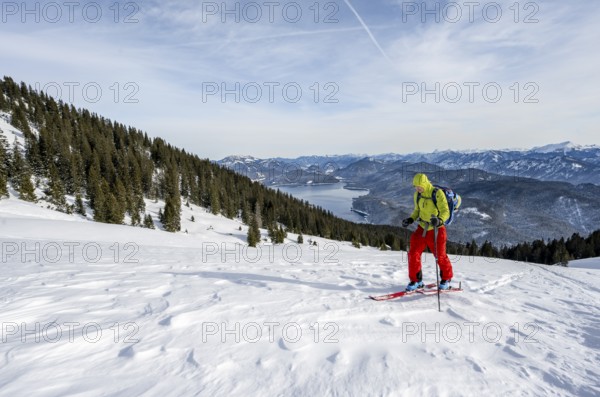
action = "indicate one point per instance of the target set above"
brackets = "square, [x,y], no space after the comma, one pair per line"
[563,147]
[564,162]
[283,171]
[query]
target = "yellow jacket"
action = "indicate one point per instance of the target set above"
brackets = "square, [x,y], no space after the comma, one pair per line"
[424,206]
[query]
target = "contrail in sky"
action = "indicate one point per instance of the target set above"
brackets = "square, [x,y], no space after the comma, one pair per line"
[364,25]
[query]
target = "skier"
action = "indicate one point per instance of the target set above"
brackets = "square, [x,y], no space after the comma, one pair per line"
[430,217]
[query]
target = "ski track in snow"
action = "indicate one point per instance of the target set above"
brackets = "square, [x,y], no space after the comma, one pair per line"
[517,329]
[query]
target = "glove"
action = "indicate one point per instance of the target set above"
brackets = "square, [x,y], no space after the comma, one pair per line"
[435,221]
[407,221]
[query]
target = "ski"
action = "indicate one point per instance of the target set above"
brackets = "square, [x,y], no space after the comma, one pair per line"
[400,294]
[434,291]
[429,289]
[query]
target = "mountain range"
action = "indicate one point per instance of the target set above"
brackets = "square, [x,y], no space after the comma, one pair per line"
[509,196]
[563,162]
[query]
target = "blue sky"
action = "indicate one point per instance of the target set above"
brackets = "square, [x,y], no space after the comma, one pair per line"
[190,72]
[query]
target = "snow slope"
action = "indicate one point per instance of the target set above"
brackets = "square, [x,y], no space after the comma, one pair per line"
[102,310]
[590,263]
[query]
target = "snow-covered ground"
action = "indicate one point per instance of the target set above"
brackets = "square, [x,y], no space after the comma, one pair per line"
[101,310]
[590,263]
[11,133]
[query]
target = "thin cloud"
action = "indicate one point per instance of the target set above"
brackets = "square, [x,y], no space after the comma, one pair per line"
[271,36]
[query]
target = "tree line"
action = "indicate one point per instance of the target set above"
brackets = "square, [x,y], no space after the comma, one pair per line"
[551,252]
[110,168]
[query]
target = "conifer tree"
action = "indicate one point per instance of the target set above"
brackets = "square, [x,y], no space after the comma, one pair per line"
[3,186]
[172,213]
[253,233]
[561,255]
[473,249]
[19,120]
[21,176]
[26,188]
[3,168]
[271,233]
[76,180]
[115,211]
[487,249]
[140,204]
[136,219]
[246,213]
[281,235]
[3,103]
[185,186]
[588,251]
[136,192]
[258,212]
[38,114]
[94,181]
[215,200]
[16,166]
[79,207]
[33,156]
[148,222]
[194,190]
[230,206]
[100,202]
[55,190]
[121,199]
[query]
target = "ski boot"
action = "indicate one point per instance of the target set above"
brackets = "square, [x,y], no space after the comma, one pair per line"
[445,284]
[414,285]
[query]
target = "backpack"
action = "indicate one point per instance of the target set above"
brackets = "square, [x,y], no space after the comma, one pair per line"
[452,198]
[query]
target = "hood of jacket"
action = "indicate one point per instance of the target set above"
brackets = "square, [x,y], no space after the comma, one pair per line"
[423,181]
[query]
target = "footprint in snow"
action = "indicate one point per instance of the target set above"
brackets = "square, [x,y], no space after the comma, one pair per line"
[333,358]
[127,352]
[513,353]
[282,345]
[476,366]
[388,321]
[190,359]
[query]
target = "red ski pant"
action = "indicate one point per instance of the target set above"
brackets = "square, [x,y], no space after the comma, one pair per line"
[417,246]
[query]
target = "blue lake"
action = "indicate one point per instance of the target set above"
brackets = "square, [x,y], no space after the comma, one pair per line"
[332,198]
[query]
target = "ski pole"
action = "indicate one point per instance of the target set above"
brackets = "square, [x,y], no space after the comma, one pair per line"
[437,271]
